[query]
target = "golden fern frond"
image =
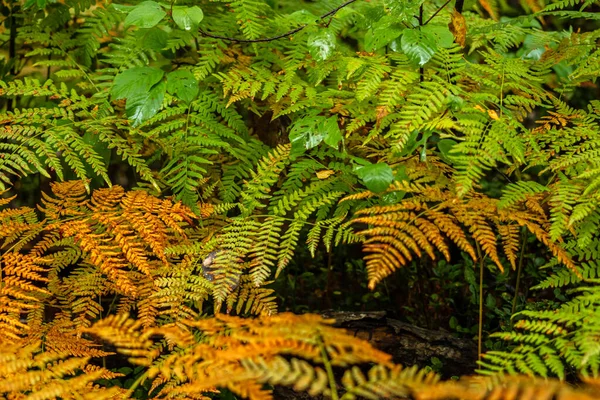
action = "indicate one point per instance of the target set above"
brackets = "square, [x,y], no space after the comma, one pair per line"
[113,244]
[125,335]
[510,240]
[105,257]
[27,372]
[251,299]
[61,337]
[507,388]
[20,292]
[388,382]
[69,200]
[239,353]
[425,222]
[4,201]
[474,215]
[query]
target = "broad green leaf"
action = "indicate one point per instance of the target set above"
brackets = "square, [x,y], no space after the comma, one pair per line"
[441,33]
[303,139]
[532,49]
[181,83]
[143,89]
[403,10]
[419,46]
[187,18]
[310,131]
[535,54]
[359,161]
[411,144]
[135,80]
[382,33]
[321,45]
[122,8]
[563,70]
[455,103]
[145,105]
[401,174]
[453,322]
[145,15]
[333,134]
[371,15]
[302,17]
[445,146]
[423,144]
[153,38]
[41,4]
[393,197]
[376,177]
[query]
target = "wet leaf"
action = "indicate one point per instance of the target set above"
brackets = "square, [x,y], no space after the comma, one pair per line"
[188,18]
[181,83]
[145,15]
[418,45]
[321,45]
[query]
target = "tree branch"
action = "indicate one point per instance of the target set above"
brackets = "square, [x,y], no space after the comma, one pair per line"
[283,35]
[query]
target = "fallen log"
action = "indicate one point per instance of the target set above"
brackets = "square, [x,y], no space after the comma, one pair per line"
[408,344]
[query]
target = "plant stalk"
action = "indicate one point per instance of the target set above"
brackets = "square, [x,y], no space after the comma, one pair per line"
[480,328]
[519,271]
[327,364]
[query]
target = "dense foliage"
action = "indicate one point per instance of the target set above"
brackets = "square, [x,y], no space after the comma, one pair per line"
[174,174]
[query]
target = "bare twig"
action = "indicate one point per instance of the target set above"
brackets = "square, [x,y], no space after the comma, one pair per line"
[421,70]
[283,35]
[437,12]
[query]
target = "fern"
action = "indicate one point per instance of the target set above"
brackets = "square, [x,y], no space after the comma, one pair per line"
[273,127]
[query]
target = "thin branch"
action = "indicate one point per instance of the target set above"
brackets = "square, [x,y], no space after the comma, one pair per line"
[283,35]
[437,12]
[421,70]
[270,39]
[335,10]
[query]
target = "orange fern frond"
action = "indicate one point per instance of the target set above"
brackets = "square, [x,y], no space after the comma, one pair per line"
[423,223]
[20,292]
[239,353]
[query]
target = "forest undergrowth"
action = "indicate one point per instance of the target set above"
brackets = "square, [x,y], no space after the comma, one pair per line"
[186,185]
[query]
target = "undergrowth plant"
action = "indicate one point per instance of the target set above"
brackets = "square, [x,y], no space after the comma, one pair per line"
[163,163]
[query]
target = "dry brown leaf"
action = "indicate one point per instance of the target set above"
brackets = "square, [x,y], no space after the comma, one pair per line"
[458,27]
[324,174]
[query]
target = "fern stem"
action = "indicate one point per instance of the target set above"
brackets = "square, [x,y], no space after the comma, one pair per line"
[12,53]
[187,120]
[327,298]
[12,41]
[519,270]
[137,383]
[327,364]
[480,328]
[84,72]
